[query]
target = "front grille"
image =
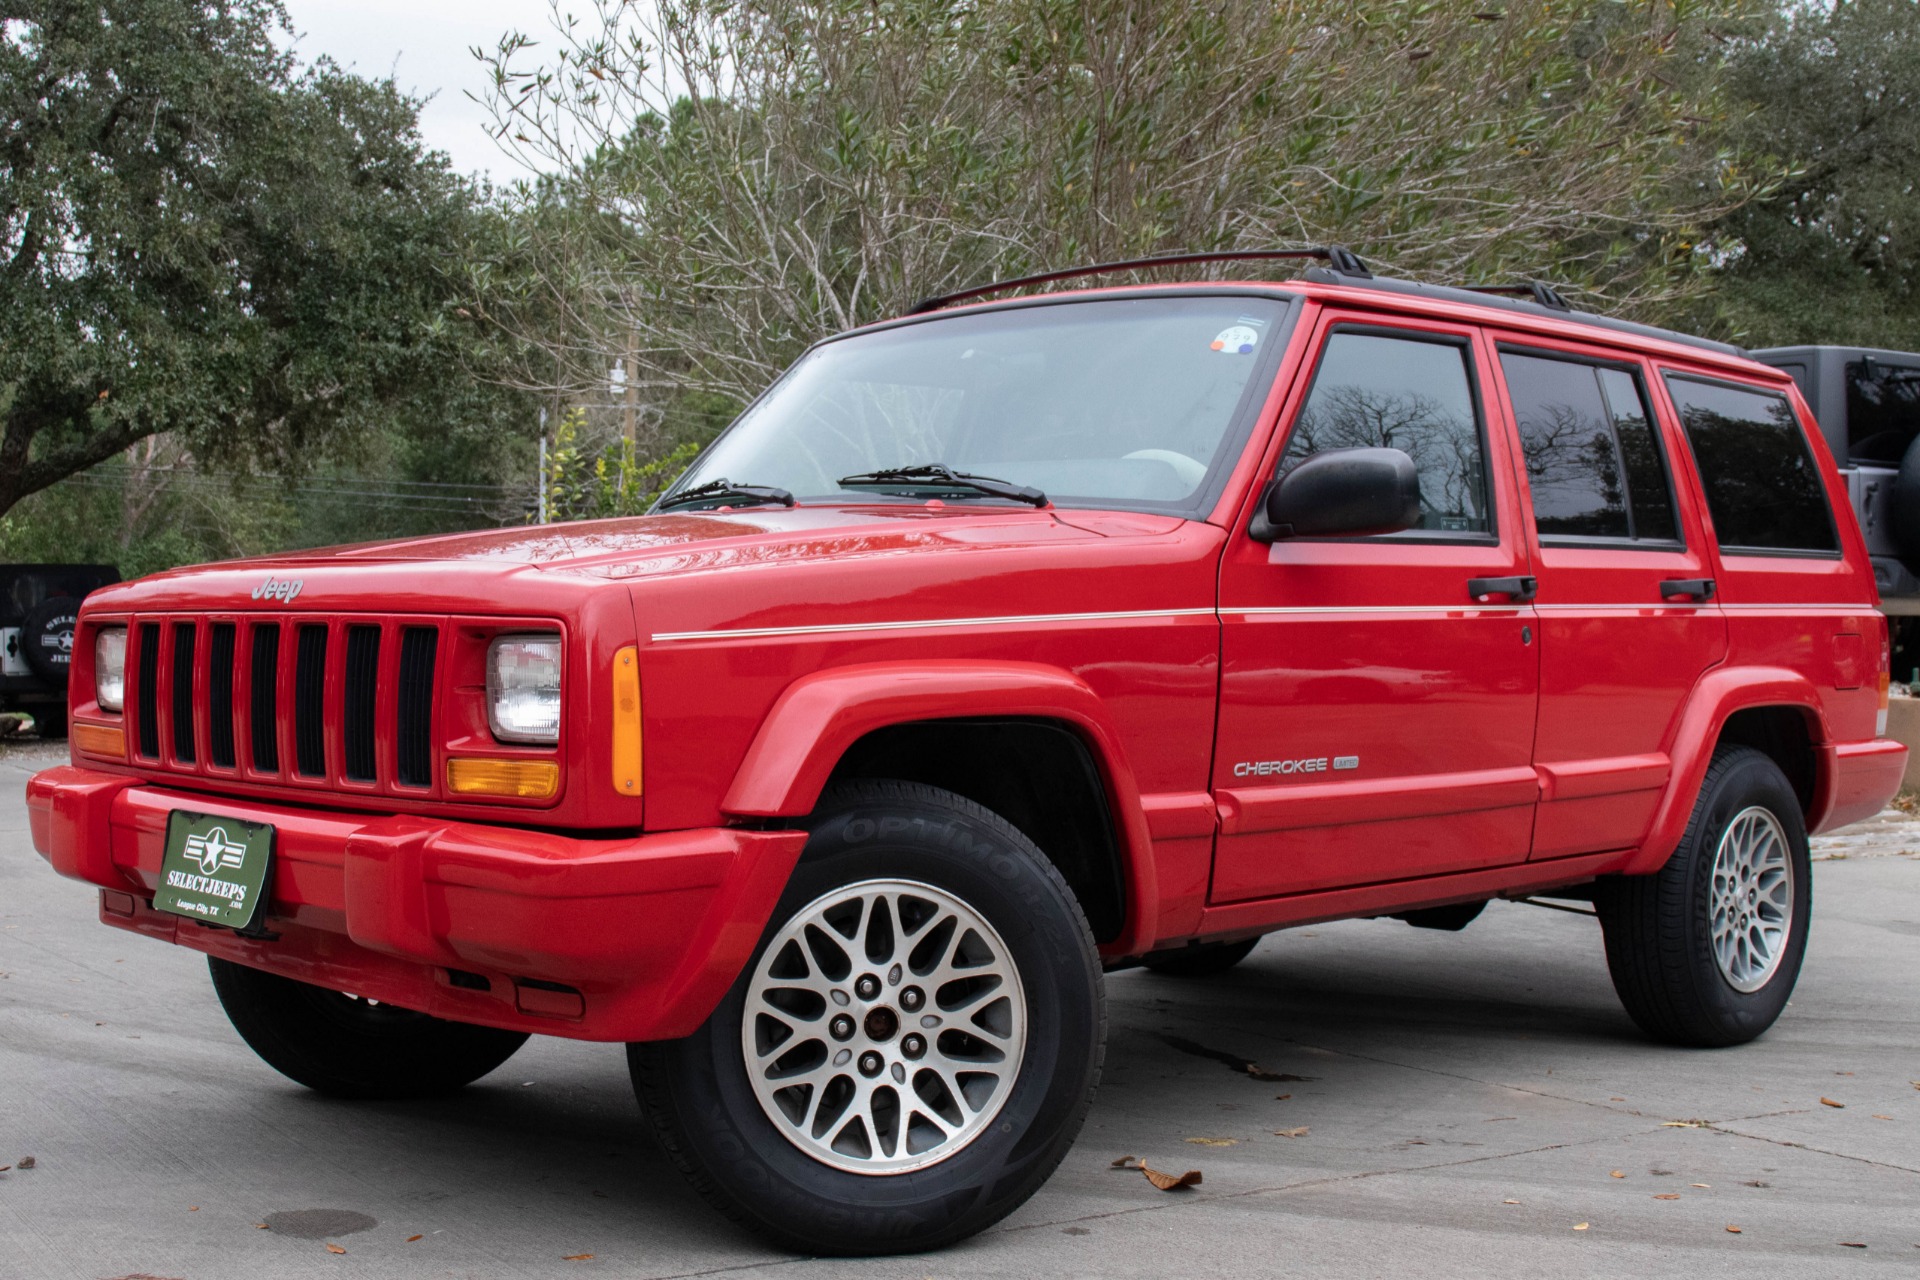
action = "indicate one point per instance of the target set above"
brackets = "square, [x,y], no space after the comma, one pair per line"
[363,670]
[220,696]
[346,703]
[310,702]
[183,633]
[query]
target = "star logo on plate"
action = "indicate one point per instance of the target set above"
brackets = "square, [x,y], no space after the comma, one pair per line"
[214,851]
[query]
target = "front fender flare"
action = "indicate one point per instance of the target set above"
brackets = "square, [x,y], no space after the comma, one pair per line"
[1715,698]
[820,716]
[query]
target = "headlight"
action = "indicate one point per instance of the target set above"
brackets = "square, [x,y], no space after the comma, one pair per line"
[110,667]
[523,688]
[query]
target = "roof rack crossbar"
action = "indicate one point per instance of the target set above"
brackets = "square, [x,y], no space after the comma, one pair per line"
[1341,259]
[1544,294]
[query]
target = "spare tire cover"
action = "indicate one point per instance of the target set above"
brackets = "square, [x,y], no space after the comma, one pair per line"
[46,637]
[1905,511]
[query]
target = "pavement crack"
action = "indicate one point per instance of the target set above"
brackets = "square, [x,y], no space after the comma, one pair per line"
[1802,1146]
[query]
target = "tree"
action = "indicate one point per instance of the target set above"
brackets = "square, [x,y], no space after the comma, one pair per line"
[1831,92]
[201,238]
[735,179]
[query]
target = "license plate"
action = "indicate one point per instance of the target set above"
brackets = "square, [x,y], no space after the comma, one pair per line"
[215,869]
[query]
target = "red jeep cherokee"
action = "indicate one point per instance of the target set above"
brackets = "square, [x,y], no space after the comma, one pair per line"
[992,647]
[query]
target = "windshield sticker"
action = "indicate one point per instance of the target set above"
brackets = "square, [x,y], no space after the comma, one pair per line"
[1236,341]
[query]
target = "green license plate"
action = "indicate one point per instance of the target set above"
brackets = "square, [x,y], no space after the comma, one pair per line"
[215,869]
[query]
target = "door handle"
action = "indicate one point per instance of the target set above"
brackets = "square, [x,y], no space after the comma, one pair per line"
[1698,589]
[1520,590]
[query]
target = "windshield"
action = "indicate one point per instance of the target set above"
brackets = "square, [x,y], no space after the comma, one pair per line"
[1129,403]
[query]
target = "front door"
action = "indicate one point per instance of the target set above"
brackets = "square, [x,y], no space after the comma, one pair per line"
[1629,612]
[1378,694]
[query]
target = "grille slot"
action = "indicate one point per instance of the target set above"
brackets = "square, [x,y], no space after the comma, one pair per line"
[220,695]
[414,759]
[147,696]
[263,707]
[183,636]
[363,674]
[309,702]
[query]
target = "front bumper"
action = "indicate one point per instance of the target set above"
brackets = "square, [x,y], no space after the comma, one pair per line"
[628,938]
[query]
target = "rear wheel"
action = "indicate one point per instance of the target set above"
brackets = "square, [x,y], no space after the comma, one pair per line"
[350,1047]
[1201,961]
[1707,951]
[912,1048]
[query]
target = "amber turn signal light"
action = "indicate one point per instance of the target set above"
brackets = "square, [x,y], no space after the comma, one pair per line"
[99,740]
[626,721]
[519,779]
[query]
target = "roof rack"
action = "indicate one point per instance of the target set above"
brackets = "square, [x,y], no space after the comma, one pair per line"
[1544,294]
[1340,259]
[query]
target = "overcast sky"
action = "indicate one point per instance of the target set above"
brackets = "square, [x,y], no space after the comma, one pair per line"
[426,46]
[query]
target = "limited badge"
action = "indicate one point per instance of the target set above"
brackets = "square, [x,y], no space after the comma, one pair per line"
[1238,340]
[215,869]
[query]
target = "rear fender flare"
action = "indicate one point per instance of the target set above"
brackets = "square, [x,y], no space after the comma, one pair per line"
[819,717]
[1718,695]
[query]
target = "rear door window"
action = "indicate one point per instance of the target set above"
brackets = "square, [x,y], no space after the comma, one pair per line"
[1410,393]
[1593,464]
[1763,488]
[1883,411]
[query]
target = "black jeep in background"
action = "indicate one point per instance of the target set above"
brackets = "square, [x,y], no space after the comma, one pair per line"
[38,604]
[1868,404]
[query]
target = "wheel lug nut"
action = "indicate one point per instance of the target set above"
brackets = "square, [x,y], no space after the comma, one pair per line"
[911,999]
[841,1027]
[870,1063]
[867,988]
[914,1045]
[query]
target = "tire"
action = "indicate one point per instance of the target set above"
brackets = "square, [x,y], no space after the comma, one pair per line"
[46,638]
[1202,961]
[1905,508]
[1674,981]
[930,856]
[49,720]
[347,1047]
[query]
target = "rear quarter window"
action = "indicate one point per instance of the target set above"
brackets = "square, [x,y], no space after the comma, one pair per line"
[1763,488]
[1883,411]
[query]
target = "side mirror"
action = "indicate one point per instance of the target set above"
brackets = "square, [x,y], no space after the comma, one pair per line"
[1343,493]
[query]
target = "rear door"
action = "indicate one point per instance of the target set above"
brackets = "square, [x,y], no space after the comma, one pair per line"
[1378,694]
[1628,608]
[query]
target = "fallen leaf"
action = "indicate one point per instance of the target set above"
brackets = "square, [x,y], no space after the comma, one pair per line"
[1581,1226]
[334,1248]
[1509,1202]
[1618,1173]
[1301,1132]
[1126,1162]
[1850,1244]
[1756,1183]
[1616,1099]
[5,1167]
[261,1226]
[411,1239]
[193,1208]
[1733,1230]
[1668,1195]
[1683,1124]
[1704,1186]
[1281,1097]
[575,1257]
[1843,1073]
[26,1162]
[1878,1116]
[1829,1102]
[1259,1072]
[1168,1181]
[1214,1142]
[1492,1119]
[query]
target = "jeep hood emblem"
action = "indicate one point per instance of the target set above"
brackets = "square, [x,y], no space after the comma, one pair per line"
[281,589]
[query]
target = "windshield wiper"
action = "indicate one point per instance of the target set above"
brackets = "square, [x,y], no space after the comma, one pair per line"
[726,489]
[940,476]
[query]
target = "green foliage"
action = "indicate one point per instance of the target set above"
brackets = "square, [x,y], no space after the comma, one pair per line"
[207,241]
[1833,255]
[584,484]
[737,179]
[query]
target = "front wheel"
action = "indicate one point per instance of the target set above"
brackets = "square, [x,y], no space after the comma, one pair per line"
[912,1048]
[350,1047]
[1706,952]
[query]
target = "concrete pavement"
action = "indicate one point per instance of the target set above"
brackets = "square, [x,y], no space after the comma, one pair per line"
[1465,1101]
